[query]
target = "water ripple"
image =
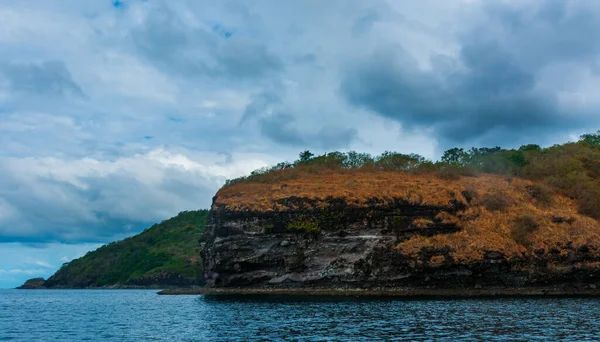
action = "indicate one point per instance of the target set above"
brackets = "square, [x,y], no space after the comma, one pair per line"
[130,315]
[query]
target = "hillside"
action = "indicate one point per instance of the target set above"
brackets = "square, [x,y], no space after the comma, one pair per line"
[166,254]
[482,217]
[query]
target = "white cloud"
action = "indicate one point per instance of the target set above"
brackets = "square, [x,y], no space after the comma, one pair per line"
[41,263]
[26,272]
[88,198]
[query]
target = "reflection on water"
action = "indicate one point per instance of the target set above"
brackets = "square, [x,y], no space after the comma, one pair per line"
[129,315]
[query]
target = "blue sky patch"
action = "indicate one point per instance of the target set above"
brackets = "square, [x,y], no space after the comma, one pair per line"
[221,31]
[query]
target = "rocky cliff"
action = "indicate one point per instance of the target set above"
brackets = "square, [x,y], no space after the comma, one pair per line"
[365,230]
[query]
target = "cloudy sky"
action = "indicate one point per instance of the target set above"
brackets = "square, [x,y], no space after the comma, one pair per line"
[118,114]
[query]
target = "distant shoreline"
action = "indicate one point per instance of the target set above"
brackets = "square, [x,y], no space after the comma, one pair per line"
[397,292]
[161,288]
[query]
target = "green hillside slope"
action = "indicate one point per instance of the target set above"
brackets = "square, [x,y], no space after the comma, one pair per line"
[166,254]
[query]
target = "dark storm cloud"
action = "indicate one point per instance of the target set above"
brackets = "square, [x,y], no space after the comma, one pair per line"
[46,78]
[489,92]
[172,45]
[332,137]
[281,128]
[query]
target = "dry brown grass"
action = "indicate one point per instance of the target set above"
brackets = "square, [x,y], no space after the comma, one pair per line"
[482,229]
[355,185]
[422,223]
[485,230]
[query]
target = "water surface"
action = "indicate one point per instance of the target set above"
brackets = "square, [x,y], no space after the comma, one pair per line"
[132,315]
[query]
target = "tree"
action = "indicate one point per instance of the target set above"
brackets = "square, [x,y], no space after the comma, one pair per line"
[399,161]
[592,139]
[455,156]
[530,147]
[330,160]
[281,166]
[355,160]
[518,158]
[305,156]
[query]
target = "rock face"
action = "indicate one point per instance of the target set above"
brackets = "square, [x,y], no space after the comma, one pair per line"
[346,246]
[379,229]
[33,283]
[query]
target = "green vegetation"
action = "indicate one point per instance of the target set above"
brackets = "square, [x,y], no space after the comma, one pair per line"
[571,169]
[302,223]
[164,254]
[399,220]
[269,227]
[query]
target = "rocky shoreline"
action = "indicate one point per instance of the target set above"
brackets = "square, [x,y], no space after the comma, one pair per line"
[396,292]
[40,284]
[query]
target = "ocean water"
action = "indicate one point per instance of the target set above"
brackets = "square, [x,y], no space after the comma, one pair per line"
[132,315]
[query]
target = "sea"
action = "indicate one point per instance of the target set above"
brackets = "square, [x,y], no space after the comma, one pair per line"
[142,315]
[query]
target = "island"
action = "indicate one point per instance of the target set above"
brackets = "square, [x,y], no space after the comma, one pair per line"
[484,221]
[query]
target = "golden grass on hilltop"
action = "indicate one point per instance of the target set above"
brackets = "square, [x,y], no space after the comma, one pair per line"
[356,185]
[511,215]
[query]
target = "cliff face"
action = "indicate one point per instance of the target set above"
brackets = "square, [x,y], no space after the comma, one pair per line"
[378,230]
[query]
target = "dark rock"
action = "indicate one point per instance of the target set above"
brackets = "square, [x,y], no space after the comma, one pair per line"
[352,246]
[342,233]
[33,283]
[559,219]
[494,255]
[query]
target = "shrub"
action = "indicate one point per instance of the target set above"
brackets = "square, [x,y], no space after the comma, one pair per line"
[425,167]
[302,223]
[449,172]
[399,220]
[468,170]
[589,203]
[523,226]
[399,161]
[496,202]
[541,193]
[592,139]
[469,194]
[269,228]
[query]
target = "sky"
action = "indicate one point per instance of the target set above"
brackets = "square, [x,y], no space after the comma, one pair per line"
[116,114]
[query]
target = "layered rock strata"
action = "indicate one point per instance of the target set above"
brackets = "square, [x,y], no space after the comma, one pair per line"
[356,247]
